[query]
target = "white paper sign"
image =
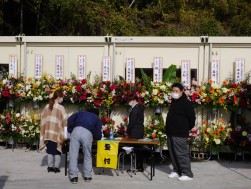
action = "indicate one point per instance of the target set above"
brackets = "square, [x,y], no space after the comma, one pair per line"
[38,66]
[13,65]
[185,73]
[81,67]
[157,69]
[59,66]
[215,71]
[106,68]
[239,69]
[130,70]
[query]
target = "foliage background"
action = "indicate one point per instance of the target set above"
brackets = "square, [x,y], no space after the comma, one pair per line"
[126,17]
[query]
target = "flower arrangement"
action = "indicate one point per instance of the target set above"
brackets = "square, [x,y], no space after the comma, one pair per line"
[214,134]
[31,128]
[11,124]
[195,137]
[155,129]
[120,130]
[158,95]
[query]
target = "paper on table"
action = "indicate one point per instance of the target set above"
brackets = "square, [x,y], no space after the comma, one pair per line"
[127,149]
[66,133]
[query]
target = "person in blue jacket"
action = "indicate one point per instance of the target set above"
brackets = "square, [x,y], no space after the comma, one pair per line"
[84,126]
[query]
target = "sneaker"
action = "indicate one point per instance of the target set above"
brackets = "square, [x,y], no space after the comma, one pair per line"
[88,179]
[173,175]
[185,178]
[57,170]
[50,169]
[74,180]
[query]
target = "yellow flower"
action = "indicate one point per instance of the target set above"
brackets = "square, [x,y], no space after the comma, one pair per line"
[244,133]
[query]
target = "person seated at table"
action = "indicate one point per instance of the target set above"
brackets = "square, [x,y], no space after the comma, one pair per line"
[135,128]
[84,126]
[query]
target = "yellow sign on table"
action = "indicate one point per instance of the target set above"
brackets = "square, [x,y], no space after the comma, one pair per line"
[107,155]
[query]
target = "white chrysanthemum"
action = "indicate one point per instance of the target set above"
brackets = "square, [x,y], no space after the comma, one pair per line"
[73,90]
[208,130]
[225,90]
[143,95]
[17,114]
[203,87]
[207,139]
[40,97]
[168,84]
[155,91]
[38,83]
[217,141]
[28,87]
[147,93]
[160,133]
[215,86]
[161,101]
[163,87]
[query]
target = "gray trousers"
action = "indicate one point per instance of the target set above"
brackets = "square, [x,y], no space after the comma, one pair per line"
[179,155]
[53,160]
[83,137]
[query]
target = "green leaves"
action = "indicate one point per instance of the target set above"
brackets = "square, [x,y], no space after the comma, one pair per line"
[170,74]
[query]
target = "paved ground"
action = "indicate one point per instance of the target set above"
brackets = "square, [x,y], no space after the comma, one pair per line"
[20,169]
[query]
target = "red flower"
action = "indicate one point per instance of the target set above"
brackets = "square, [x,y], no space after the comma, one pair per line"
[82,97]
[113,87]
[97,103]
[125,119]
[5,93]
[78,88]
[234,85]
[83,81]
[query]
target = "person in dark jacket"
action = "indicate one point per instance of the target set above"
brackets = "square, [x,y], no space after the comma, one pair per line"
[180,120]
[84,126]
[135,128]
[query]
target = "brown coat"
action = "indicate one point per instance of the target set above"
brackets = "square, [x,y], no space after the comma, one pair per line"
[52,126]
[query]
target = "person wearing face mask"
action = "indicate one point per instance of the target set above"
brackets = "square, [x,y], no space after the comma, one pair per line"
[135,128]
[53,121]
[179,121]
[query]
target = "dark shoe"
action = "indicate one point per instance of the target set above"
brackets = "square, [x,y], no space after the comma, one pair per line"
[140,170]
[56,170]
[50,169]
[88,179]
[74,180]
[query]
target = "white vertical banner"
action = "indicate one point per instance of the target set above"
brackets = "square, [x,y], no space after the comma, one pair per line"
[59,66]
[157,69]
[215,71]
[106,68]
[81,67]
[185,73]
[130,70]
[239,69]
[38,65]
[13,65]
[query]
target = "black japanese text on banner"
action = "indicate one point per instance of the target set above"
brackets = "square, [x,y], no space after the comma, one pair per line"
[38,65]
[239,69]
[81,67]
[13,65]
[157,69]
[185,73]
[215,71]
[107,154]
[130,70]
[106,68]
[59,66]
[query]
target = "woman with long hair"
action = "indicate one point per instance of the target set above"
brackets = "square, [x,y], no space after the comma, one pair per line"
[53,121]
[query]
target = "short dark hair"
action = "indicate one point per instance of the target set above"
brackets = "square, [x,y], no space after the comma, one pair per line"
[178,85]
[93,110]
[132,97]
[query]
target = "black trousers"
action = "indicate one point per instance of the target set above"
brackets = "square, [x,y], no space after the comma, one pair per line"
[179,155]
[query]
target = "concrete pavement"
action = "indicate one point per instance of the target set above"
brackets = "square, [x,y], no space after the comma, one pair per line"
[20,169]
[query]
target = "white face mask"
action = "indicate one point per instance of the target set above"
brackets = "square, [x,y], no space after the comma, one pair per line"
[175,95]
[60,100]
